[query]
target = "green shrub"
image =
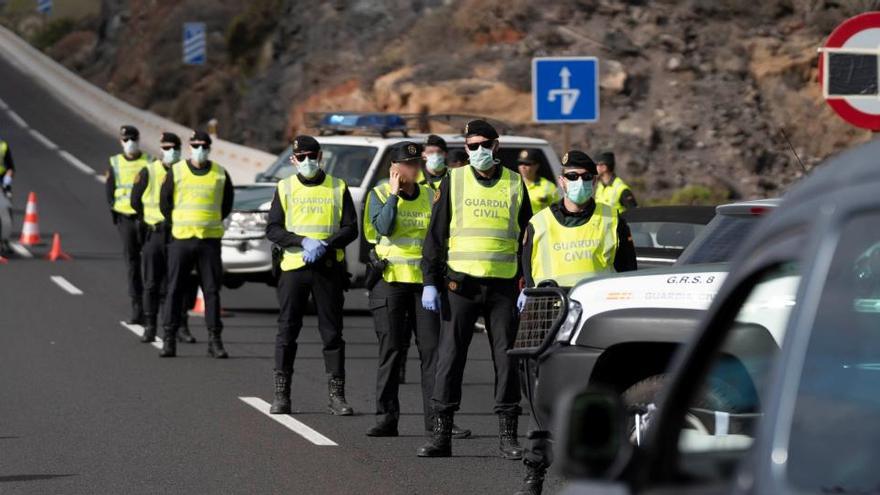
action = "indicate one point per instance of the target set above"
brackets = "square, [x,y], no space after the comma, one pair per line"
[247,31]
[693,195]
[52,32]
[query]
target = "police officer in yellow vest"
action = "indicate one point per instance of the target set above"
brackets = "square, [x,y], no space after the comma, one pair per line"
[196,195]
[542,192]
[470,268]
[398,219]
[573,239]
[312,217]
[611,189]
[435,161]
[124,167]
[7,168]
[145,202]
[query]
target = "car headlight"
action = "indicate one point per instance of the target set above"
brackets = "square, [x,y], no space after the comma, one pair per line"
[572,318]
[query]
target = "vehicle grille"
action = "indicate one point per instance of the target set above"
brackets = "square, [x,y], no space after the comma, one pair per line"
[543,313]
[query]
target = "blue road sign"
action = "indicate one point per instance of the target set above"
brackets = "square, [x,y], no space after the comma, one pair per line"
[44,6]
[194,43]
[565,89]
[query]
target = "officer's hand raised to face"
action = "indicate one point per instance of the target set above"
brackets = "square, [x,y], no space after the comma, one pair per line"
[394,179]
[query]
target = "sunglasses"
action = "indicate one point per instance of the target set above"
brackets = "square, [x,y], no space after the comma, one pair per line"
[200,146]
[127,139]
[302,156]
[485,144]
[168,147]
[573,176]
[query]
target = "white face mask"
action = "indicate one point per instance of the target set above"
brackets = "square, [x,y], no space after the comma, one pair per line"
[308,168]
[130,147]
[481,158]
[171,156]
[199,155]
[435,163]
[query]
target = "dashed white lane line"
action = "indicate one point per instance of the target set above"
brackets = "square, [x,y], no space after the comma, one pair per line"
[20,250]
[17,119]
[139,331]
[294,425]
[76,162]
[43,139]
[101,178]
[67,286]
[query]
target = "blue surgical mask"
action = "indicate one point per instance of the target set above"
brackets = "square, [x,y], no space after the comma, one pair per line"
[579,191]
[308,168]
[481,158]
[435,163]
[171,156]
[200,155]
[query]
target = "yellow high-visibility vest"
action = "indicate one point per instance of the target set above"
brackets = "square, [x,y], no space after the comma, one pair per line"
[4,147]
[157,173]
[484,228]
[198,201]
[310,211]
[403,248]
[124,173]
[610,194]
[542,193]
[571,254]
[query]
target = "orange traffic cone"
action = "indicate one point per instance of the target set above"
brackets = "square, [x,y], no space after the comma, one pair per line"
[30,230]
[56,253]
[199,307]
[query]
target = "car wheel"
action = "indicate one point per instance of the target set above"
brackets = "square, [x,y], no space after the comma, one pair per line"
[641,402]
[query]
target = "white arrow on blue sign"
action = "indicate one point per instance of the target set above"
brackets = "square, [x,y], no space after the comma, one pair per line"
[565,89]
[194,43]
[44,6]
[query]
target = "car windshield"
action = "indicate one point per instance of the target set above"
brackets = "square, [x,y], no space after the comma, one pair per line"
[719,240]
[343,161]
[664,235]
[834,442]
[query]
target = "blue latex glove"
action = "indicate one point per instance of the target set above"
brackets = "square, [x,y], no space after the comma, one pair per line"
[310,249]
[431,298]
[521,301]
[321,250]
[7,181]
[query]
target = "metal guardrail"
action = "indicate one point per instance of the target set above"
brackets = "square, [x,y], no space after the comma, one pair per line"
[108,112]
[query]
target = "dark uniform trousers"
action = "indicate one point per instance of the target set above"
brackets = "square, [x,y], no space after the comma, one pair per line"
[397,312]
[204,256]
[131,232]
[325,284]
[495,301]
[155,257]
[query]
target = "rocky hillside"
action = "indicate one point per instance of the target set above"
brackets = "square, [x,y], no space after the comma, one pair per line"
[702,99]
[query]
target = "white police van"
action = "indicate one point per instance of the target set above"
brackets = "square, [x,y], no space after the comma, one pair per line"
[355,149]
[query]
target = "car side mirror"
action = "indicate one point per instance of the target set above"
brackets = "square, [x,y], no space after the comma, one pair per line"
[260,177]
[592,435]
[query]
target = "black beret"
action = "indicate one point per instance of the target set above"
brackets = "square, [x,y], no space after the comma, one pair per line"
[305,144]
[606,157]
[435,140]
[170,137]
[406,151]
[200,137]
[578,159]
[457,156]
[529,156]
[129,131]
[480,128]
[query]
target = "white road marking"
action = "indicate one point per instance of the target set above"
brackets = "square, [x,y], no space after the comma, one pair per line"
[64,284]
[43,139]
[3,105]
[20,250]
[297,427]
[139,331]
[101,178]
[17,119]
[76,162]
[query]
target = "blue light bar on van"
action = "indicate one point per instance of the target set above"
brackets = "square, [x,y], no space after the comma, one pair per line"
[382,123]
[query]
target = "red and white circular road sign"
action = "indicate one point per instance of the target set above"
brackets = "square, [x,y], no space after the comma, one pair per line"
[861,32]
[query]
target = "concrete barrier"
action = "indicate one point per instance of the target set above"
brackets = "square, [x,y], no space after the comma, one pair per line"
[108,112]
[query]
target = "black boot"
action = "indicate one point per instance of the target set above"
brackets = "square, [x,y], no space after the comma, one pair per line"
[281,402]
[459,432]
[169,344]
[507,431]
[137,312]
[215,345]
[385,428]
[533,483]
[441,438]
[183,335]
[337,405]
[149,335]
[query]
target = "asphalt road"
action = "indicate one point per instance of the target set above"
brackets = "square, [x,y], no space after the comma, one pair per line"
[87,408]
